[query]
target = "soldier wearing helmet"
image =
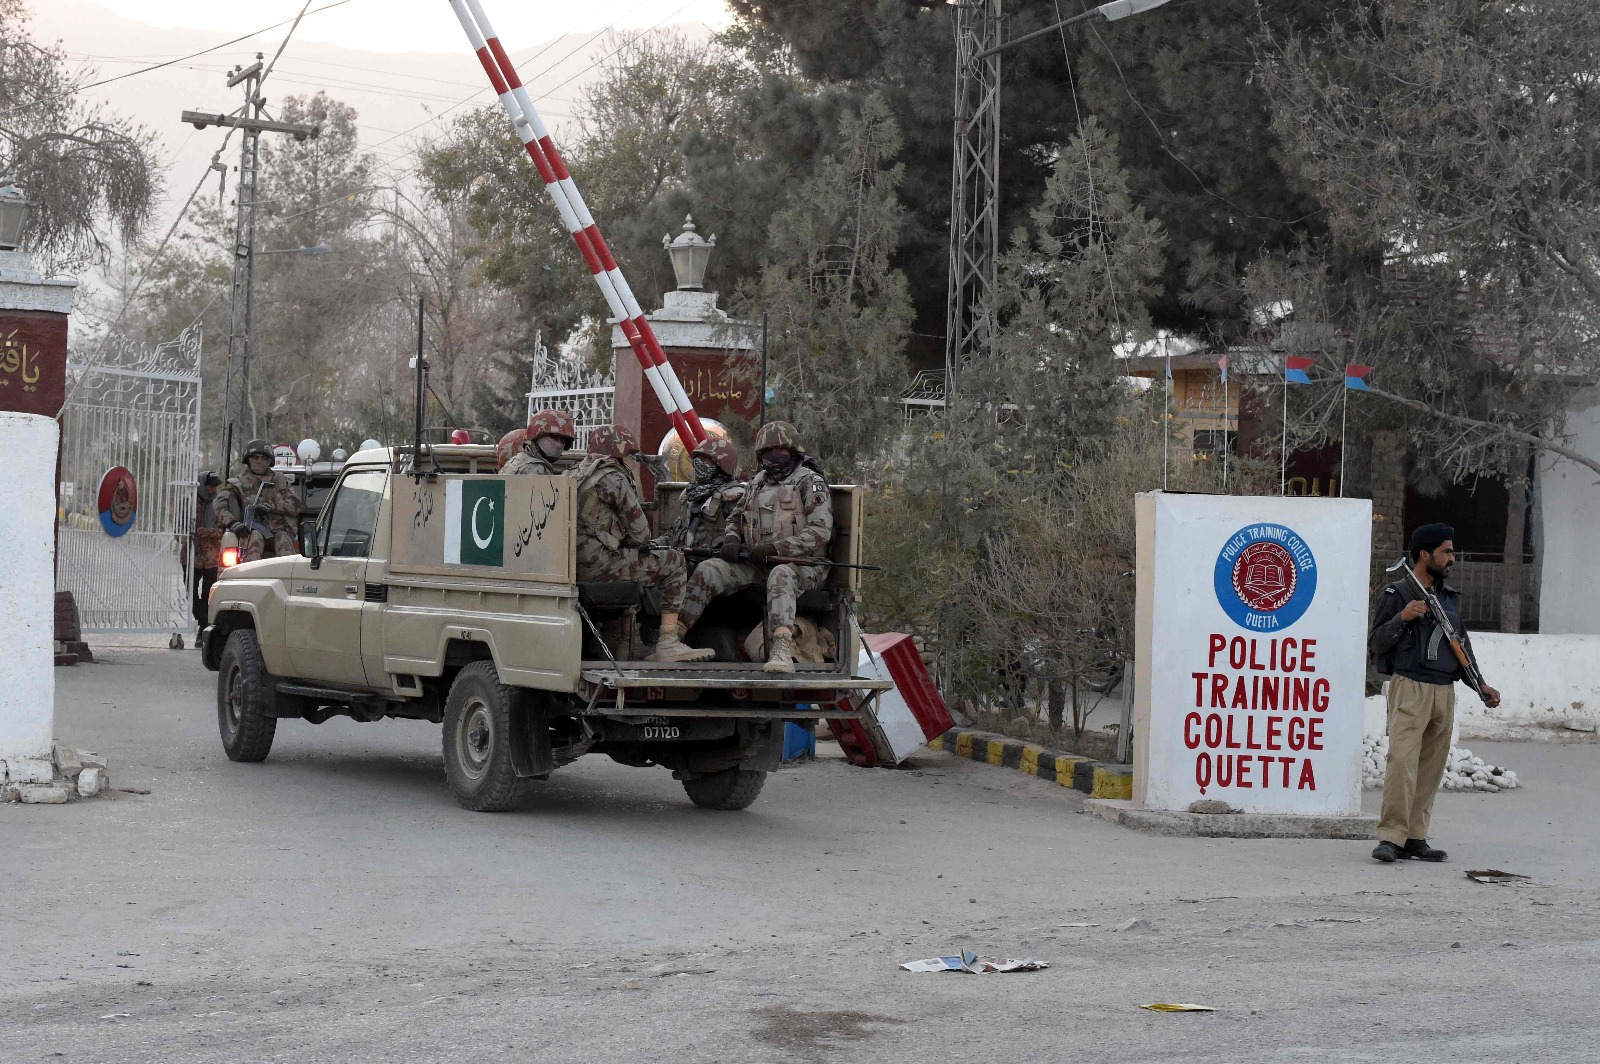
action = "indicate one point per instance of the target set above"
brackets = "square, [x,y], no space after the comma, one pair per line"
[786,512]
[549,436]
[510,444]
[614,537]
[707,502]
[267,495]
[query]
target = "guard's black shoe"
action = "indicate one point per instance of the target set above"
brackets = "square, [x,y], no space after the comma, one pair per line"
[1388,853]
[1420,849]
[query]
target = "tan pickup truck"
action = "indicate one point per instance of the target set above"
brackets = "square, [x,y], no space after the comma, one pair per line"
[452,597]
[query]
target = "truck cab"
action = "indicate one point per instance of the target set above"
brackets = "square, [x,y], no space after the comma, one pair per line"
[439,590]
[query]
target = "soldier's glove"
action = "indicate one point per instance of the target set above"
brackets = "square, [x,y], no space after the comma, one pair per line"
[728,548]
[238,528]
[763,552]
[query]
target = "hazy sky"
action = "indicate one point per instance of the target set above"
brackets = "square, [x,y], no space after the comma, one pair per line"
[418,25]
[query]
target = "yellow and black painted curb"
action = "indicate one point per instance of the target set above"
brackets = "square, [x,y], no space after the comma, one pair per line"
[1098,779]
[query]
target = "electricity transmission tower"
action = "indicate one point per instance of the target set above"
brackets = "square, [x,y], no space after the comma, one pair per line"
[970,327]
[241,308]
[974,187]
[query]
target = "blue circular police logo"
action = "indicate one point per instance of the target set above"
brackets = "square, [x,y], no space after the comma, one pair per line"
[1265,577]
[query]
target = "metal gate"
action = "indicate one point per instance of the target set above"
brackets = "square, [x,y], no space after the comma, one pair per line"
[137,407]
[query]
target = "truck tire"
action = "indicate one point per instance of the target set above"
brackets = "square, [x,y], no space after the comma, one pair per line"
[477,741]
[733,788]
[244,693]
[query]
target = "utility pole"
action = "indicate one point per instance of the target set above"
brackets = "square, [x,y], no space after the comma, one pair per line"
[242,299]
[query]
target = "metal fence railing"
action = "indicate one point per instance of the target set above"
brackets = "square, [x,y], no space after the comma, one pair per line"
[1481,580]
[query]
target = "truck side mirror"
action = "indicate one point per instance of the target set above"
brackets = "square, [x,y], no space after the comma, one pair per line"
[308,539]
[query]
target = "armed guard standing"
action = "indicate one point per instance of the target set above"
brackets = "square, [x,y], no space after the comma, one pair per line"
[1410,646]
[549,436]
[787,512]
[710,500]
[260,504]
[203,548]
[614,537]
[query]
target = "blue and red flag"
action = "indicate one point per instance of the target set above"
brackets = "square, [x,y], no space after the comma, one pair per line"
[1355,377]
[1294,369]
[1222,364]
[1169,367]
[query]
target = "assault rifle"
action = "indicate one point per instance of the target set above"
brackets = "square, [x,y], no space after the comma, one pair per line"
[776,559]
[252,520]
[1469,668]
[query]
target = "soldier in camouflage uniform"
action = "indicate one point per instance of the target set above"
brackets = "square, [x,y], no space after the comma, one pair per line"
[614,537]
[277,508]
[550,433]
[707,502]
[787,512]
[510,444]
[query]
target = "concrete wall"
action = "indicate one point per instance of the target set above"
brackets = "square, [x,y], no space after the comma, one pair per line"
[28,445]
[1569,505]
[1543,680]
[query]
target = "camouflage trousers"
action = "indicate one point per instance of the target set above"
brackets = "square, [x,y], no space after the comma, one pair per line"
[255,547]
[784,584]
[662,569]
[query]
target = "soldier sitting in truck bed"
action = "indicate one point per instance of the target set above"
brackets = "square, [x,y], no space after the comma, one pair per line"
[707,502]
[614,537]
[550,433]
[787,512]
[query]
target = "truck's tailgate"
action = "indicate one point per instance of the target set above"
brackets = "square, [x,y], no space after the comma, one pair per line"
[823,685]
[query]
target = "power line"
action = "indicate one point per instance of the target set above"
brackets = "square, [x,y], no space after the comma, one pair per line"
[157,66]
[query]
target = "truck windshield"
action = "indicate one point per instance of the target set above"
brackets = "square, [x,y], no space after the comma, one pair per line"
[354,516]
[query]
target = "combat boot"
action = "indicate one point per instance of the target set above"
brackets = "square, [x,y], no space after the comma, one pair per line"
[781,657]
[670,647]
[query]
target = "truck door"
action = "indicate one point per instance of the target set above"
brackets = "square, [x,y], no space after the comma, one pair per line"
[327,593]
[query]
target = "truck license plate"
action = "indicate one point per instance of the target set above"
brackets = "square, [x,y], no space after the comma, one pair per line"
[661,731]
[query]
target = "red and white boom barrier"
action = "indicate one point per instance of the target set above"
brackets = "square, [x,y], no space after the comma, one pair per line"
[579,222]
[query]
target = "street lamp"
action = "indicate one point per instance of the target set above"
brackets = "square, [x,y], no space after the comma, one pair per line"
[689,253]
[14,207]
[1112,11]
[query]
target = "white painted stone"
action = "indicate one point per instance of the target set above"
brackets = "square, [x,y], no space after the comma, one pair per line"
[29,770]
[1188,604]
[65,759]
[56,793]
[90,780]
[28,445]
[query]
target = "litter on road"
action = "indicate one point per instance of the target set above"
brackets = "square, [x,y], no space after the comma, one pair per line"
[1494,875]
[968,962]
[1177,1006]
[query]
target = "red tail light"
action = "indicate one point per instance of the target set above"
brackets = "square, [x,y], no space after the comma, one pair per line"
[230,557]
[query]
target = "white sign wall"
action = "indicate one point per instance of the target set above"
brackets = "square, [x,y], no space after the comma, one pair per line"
[1251,629]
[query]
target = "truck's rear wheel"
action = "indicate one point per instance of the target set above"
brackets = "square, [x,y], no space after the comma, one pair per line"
[244,692]
[477,741]
[733,788]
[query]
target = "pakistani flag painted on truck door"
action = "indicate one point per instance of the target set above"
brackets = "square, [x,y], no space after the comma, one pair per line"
[474,522]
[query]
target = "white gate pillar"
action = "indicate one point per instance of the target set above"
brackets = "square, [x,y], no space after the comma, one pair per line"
[33,358]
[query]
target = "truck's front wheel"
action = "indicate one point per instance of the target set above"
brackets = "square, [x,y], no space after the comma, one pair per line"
[733,788]
[477,741]
[243,695]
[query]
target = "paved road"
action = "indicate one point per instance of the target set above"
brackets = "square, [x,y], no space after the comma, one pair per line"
[333,904]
